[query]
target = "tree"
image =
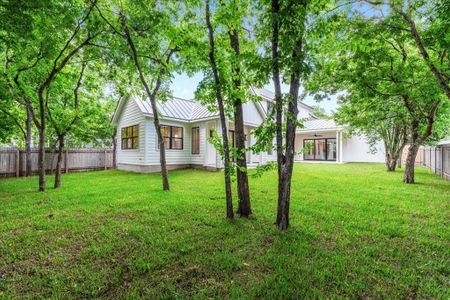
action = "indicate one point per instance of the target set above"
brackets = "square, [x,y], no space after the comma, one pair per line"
[20,54]
[223,120]
[292,28]
[53,41]
[76,110]
[153,40]
[377,118]
[428,19]
[387,84]
[238,95]
[287,22]
[54,67]
[234,54]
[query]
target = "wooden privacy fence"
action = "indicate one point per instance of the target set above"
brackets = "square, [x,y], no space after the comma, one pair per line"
[13,160]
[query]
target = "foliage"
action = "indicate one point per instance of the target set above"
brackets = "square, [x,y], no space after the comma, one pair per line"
[320,112]
[379,69]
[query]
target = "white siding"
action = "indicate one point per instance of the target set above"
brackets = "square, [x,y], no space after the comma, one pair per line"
[173,157]
[356,149]
[131,115]
[199,159]
[252,116]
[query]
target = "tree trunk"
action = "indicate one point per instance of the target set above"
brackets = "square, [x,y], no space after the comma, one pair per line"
[244,209]
[285,161]
[29,133]
[391,163]
[390,158]
[223,122]
[162,152]
[410,163]
[287,164]
[58,161]
[41,156]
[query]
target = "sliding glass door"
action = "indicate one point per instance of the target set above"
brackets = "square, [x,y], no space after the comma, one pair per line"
[319,149]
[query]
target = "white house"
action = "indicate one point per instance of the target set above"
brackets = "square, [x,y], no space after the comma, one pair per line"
[186,126]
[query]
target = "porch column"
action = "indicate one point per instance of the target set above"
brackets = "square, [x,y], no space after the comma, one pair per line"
[340,146]
[338,150]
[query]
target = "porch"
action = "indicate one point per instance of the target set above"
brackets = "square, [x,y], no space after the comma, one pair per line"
[319,141]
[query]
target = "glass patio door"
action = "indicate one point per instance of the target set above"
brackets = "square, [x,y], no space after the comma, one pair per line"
[319,149]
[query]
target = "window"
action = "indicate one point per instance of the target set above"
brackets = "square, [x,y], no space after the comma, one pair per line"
[195,140]
[130,137]
[173,137]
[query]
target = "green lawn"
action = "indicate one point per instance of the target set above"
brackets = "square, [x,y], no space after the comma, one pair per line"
[356,231]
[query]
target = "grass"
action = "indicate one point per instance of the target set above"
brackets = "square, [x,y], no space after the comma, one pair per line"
[356,232]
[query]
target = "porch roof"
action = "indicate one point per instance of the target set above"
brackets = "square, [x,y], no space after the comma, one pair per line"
[319,125]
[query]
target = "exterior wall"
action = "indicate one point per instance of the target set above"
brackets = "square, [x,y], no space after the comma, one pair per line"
[356,149]
[176,157]
[131,115]
[199,159]
[252,116]
[157,168]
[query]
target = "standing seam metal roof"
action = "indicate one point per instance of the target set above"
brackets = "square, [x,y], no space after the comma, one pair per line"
[177,108]
[319,124]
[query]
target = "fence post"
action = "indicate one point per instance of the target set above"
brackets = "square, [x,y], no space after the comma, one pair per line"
[435,160]
[17,162]
[66,160]
[442,161]
[431,166]
[105,161]
[423,157]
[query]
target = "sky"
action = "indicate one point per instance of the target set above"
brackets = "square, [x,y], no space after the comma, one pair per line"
[184,86]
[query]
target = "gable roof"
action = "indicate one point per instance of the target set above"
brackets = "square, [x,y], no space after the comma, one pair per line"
[174,109]
[178,108]
[269,95]
[187,110]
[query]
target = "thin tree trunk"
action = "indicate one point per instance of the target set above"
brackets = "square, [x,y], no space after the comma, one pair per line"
[278,105]
[41,155]
[284,194]
[244,209]
[29,133]
[114,143]
[152,97]
[285,160]
[223,122]
[58,161]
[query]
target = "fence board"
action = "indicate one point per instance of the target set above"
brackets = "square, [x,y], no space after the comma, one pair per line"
[13,160]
